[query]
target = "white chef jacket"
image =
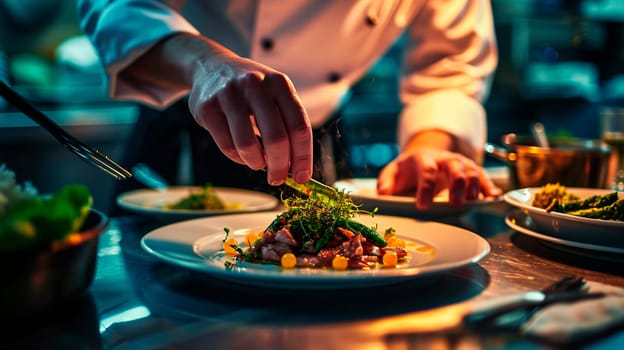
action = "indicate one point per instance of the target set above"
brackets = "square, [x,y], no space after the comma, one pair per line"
[324,47]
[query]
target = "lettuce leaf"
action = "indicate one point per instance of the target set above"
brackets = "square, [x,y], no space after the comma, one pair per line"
[40,220]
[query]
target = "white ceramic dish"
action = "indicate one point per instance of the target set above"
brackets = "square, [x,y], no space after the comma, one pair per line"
[152,202]
[608,233]
[521,222]
[197,244]
[364,191]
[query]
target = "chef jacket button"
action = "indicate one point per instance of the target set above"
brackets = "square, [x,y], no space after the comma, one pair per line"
[267,44]
[333,77]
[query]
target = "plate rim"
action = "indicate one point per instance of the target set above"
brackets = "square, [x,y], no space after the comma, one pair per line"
[410,199]
[406,205]
[316,280]
[511,223]
[121,200]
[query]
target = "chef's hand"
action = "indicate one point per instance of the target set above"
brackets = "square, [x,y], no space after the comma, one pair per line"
[235,99]
[426,170]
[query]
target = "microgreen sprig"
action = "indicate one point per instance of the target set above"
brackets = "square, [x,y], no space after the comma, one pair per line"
[314,217]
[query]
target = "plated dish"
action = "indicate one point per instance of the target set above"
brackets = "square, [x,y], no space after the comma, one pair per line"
[519,221]
[198,244]
[364,191]
[566,226]
[153,202]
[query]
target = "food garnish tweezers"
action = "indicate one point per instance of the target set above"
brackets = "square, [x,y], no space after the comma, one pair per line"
[92,155]
[310,186]
[313,185]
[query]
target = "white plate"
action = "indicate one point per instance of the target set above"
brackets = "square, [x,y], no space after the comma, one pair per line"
[152,202]
[521,222]
[197,244]
[364,191]
[608,233]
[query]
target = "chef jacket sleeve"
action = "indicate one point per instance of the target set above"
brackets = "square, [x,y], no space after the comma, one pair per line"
[123,30]
[449,59]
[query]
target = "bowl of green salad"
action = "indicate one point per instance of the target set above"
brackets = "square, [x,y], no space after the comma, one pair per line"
[48,245]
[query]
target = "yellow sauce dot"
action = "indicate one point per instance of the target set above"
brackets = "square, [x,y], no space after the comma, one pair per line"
[424,249]
[390,259]
[229,246]
[389,240]
[289,261]
[397,242]
[251,238]
[340,262]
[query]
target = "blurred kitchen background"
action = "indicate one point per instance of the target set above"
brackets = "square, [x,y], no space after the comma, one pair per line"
[561,62]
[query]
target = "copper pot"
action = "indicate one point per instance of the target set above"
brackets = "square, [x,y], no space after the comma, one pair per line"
[36,280]
[568,161]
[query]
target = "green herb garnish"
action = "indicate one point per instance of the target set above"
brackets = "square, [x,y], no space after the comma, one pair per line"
[205,199]
[313,218]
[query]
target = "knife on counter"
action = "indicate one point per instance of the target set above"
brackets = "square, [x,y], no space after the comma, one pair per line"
[488,312]
[506,313]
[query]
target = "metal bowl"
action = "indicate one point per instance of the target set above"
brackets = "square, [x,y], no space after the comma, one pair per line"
[36,280]
[568,161]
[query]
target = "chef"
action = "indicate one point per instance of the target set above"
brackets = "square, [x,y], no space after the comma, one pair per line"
[258,84]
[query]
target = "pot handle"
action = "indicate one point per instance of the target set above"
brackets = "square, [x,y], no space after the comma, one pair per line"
[500,153]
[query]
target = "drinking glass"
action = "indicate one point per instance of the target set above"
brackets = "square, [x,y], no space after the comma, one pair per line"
[612,126]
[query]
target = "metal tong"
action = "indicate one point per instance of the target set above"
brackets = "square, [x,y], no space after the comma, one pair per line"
[92,155]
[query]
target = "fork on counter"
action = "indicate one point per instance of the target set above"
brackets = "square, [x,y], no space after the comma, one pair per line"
[511,315]
[92,155]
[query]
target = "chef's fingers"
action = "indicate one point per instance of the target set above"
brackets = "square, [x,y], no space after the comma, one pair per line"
[473,180]
[415,173]
[270,123]
[397,177]
[241,126]
[297,125]
[427,184]
[487,186]
[209,115]
[454,171]
[427,171]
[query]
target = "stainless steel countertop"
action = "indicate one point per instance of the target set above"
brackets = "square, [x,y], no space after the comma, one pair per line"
[137,301]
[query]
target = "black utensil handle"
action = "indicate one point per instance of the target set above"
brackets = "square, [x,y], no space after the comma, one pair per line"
[19,102]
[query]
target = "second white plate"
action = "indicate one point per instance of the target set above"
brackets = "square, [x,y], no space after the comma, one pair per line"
[520,222]
[364,191]
[152,202]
